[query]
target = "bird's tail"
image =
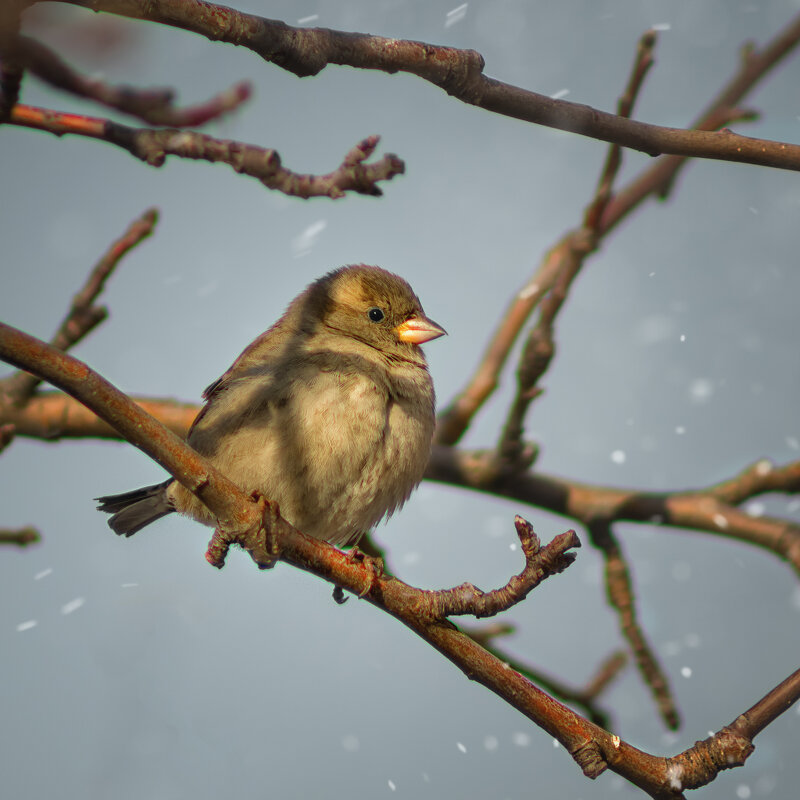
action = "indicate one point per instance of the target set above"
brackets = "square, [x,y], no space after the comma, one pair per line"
[133,510]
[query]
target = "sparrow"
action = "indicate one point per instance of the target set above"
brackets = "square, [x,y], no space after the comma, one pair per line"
[329,413]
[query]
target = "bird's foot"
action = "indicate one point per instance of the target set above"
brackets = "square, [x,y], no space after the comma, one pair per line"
[373,566]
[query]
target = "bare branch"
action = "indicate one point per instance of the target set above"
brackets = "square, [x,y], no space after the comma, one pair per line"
[261,530]
[584,698]
[540,347]
[540,563]
[620,596]
[656,180]
[154,145]
[153,106]
[306,51]
[83,315]
[52,415]
[454,420]
[641,66]
[697,510]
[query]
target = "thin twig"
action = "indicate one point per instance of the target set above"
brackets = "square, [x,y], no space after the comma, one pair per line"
[620,596]
[540,563]
[83,316]
[641,66]
[153,106]
[654,181]
[540,348]
[153,145]
[584,697]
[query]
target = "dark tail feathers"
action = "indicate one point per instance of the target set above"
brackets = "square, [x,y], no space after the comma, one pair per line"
[133,510]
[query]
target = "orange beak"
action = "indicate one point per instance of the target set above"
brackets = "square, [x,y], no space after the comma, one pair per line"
[419,330]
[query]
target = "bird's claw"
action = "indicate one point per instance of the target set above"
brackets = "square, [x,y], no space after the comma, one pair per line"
[374,567]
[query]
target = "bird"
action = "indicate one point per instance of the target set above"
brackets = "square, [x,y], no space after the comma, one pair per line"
[329,413]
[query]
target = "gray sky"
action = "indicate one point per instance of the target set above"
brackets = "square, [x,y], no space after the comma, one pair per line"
[150,675]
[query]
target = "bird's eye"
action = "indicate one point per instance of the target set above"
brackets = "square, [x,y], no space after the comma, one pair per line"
[375,314]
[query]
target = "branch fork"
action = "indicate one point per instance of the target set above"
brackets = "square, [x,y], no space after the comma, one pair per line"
[540,563]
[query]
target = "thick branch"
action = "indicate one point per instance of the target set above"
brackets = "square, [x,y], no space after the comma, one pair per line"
[702,509]
[585,697]
[154,145]
[52,416]
[306,51]
[259,527]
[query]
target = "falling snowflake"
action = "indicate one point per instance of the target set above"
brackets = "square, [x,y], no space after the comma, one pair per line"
[700,390]
[455,15]
[304,243]
[73,605]
[618,456]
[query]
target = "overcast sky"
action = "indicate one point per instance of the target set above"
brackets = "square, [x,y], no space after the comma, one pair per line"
[131,669]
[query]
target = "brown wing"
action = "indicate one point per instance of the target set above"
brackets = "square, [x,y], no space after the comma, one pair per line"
[271,344]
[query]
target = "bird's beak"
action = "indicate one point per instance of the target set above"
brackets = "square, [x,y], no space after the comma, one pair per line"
[418,330]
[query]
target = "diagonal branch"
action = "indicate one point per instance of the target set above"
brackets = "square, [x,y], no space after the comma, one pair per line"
[584,697]
[83,315]
[153,106]
[259,527]
[306,51]
[654,181]
[620,596]
[154,145]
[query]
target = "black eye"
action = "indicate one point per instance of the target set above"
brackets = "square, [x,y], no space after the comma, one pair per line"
[375,314]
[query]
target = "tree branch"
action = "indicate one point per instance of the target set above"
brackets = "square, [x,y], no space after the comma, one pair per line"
[153,106]
[701,509]
[53,416]
[83,315]
[306,51]
[261,530]
[585,697]
[656,180]
[620,597]
[154,145]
